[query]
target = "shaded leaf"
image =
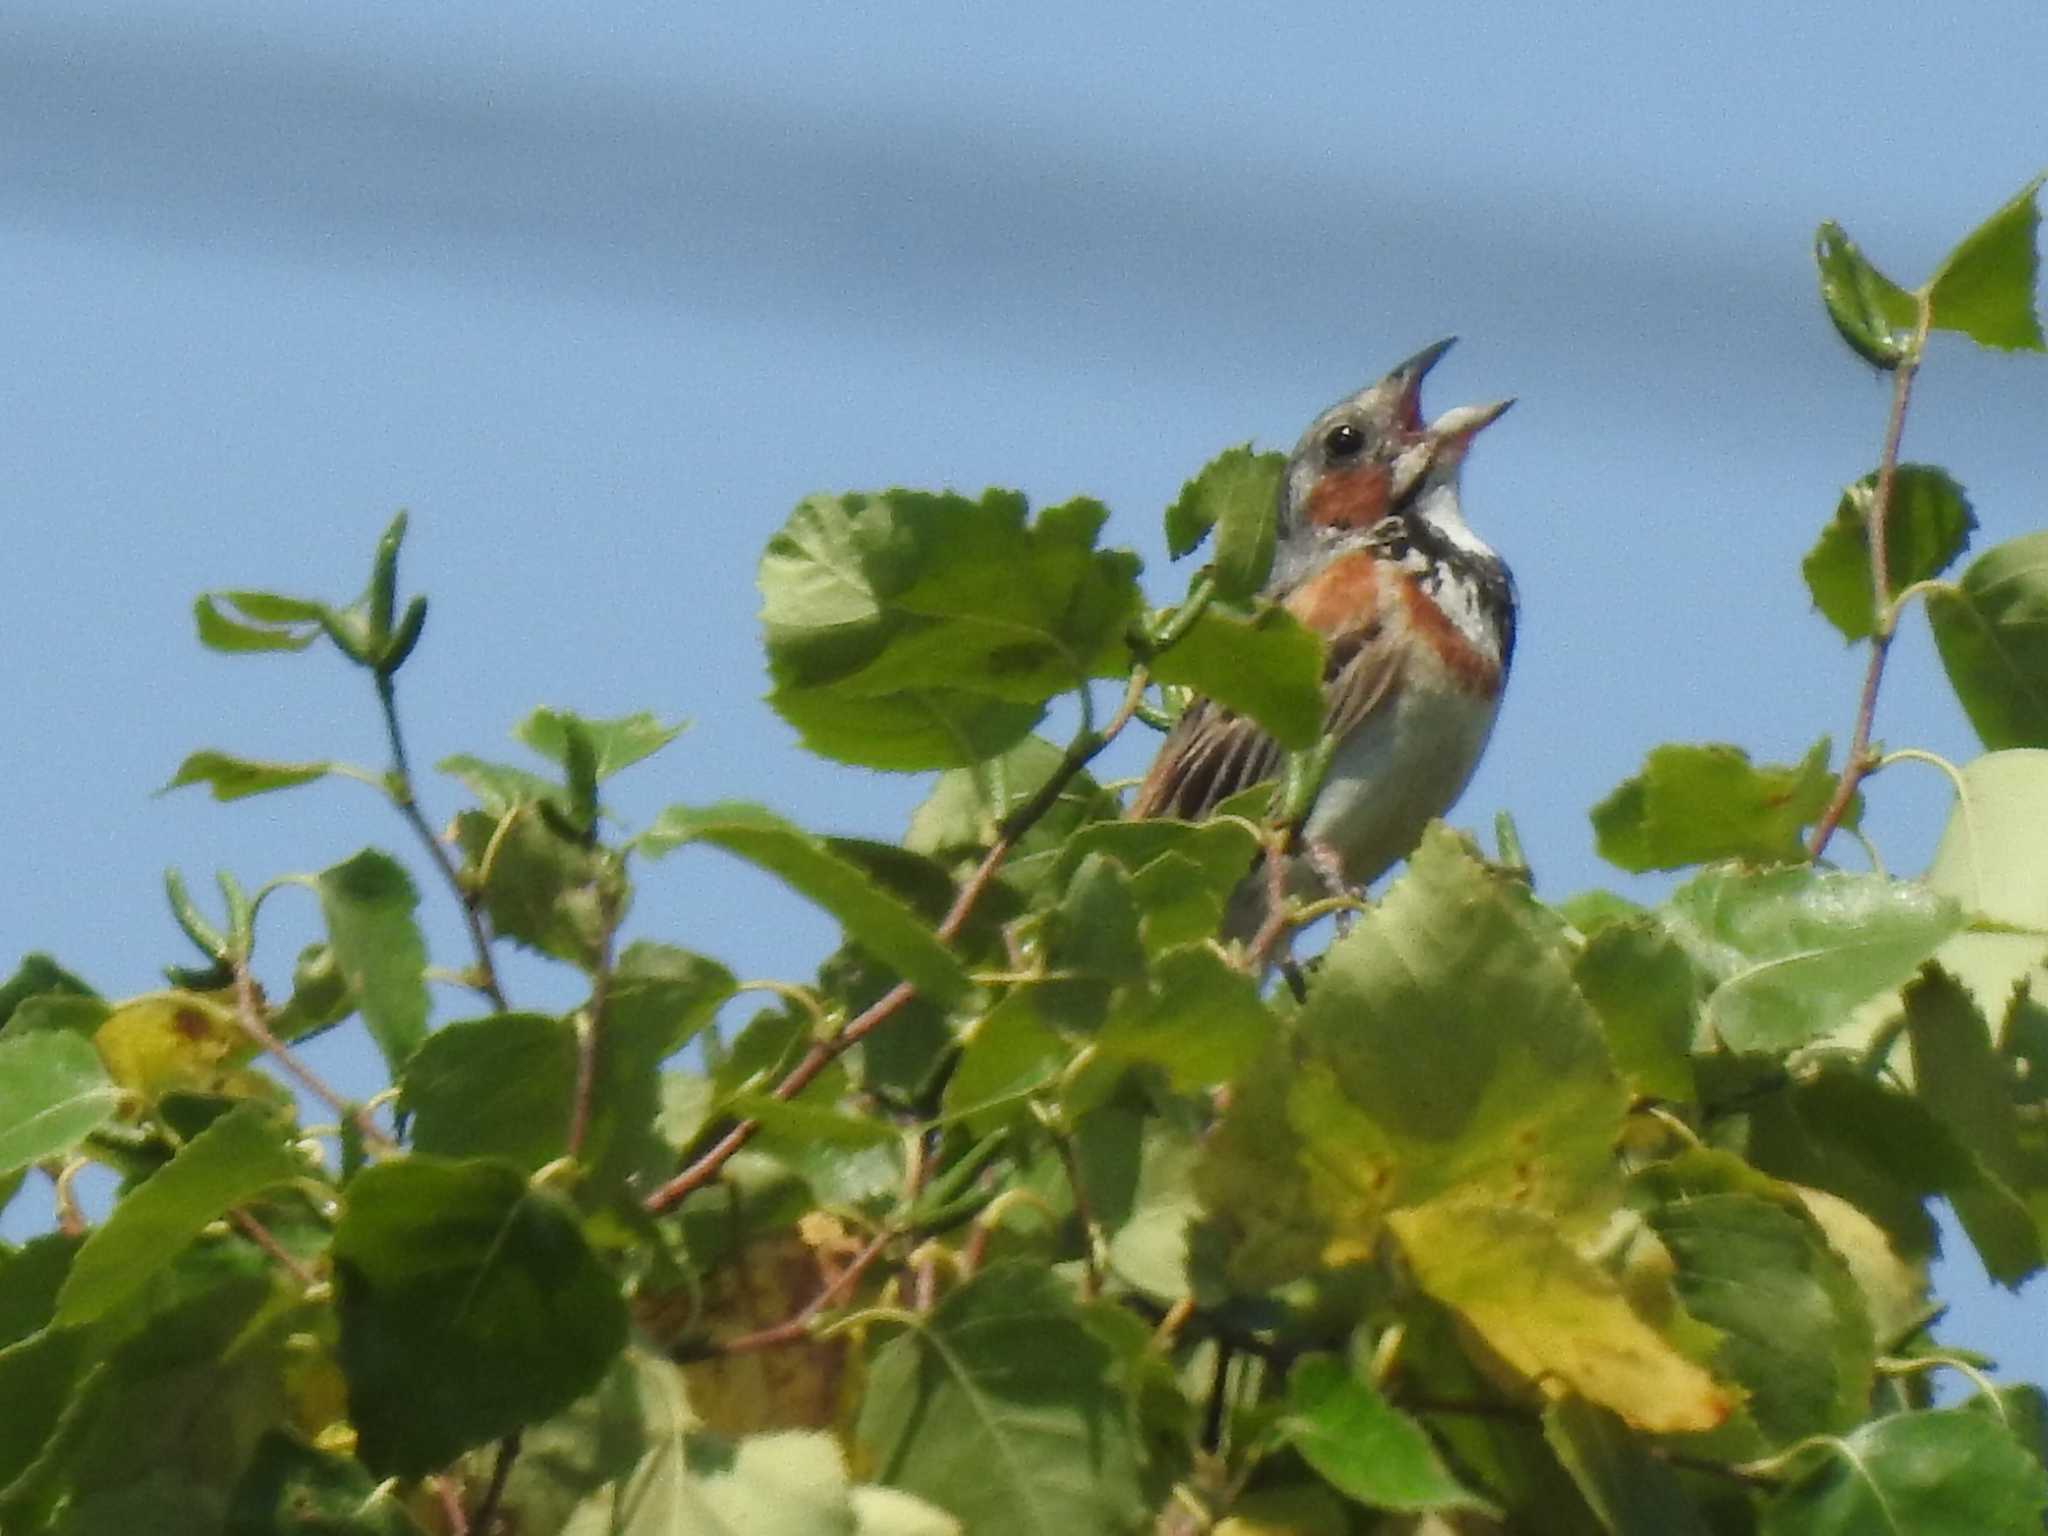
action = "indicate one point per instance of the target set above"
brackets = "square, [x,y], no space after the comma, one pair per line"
[1790,952]
[881,923]
[470,1305]
[1365,1446]
[1873,314]
[38,975]
[1632,1492]
[543,889]
[368,902]
[493,1087]
[239,1156]
[236,778]
[1752,1264]
[1196,1017]
[1985,286]
[293,1487]
[995,1407]
[1694,804]
[1927,526]
[1267,666]
[1992,631]
[52,1092]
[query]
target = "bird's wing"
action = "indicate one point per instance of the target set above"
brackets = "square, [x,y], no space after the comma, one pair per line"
[1213,753]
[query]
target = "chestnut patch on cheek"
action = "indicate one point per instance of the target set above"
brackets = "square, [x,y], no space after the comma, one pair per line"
[1349,498]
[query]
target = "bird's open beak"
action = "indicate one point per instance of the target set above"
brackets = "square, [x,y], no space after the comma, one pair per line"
[1406,381]
[1465,423]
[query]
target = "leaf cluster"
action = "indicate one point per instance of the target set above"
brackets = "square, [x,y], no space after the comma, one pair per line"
[1041,1207]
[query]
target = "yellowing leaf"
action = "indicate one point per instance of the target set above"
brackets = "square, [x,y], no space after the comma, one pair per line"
[1554,1317]
[165,1041]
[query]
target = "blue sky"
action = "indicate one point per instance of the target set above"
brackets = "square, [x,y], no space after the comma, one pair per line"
[600,292]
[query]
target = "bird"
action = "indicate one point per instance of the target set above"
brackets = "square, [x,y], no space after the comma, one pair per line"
[1417,614]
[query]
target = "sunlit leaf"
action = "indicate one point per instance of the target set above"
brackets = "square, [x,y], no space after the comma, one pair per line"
[255,621]
[1234,493]
[239,1156]
[236,778]
[1267,666]
[1985,286]
[913,630]
[1992,630]
[619,742]
[1364,1445]
[1945,1472]
[1693,804]
[1792,951]
[881,923]
[52,1092]
[368,902]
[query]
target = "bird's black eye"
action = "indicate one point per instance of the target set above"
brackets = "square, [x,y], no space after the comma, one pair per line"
[1343,441]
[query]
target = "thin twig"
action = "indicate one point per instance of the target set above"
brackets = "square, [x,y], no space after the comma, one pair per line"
[494,1494]
[1085,748]
[249,1015]
[402,796]
[1091,1234]
[797,1326]
[265,1239]
[1857,765]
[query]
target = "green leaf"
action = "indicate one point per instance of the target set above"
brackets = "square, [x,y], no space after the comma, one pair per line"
[264,622]
[878,921]
[237,778]
[1006,1056]
[961,815]
[368,902]
[665,995]
[1752,1264]
[1197,1017]
[1633,1492]
[543,889]
[1693,804]
[30,1277]
[1874,315]
[1646,994]
[1363,1445]
[500,787]
[499,1087]
[1790,952]
[470,1305]
[995,1408]
[1370,1113]
[911,630]
[1267,666]
[619,742]
[1927,525]
[157,1431]
[38,975]
[239,1156]
[1945,1472]
[1960,1076]
[1985,286]
[1992,631]
[1989,859]
[53,1091]
[320,996]
[843,1158]
[1234,493]
[292,1487]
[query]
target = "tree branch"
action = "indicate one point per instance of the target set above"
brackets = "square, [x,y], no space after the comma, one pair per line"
[1857,765]
[1086,747]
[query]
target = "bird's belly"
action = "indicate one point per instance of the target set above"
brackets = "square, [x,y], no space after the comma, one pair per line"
[1389,777]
